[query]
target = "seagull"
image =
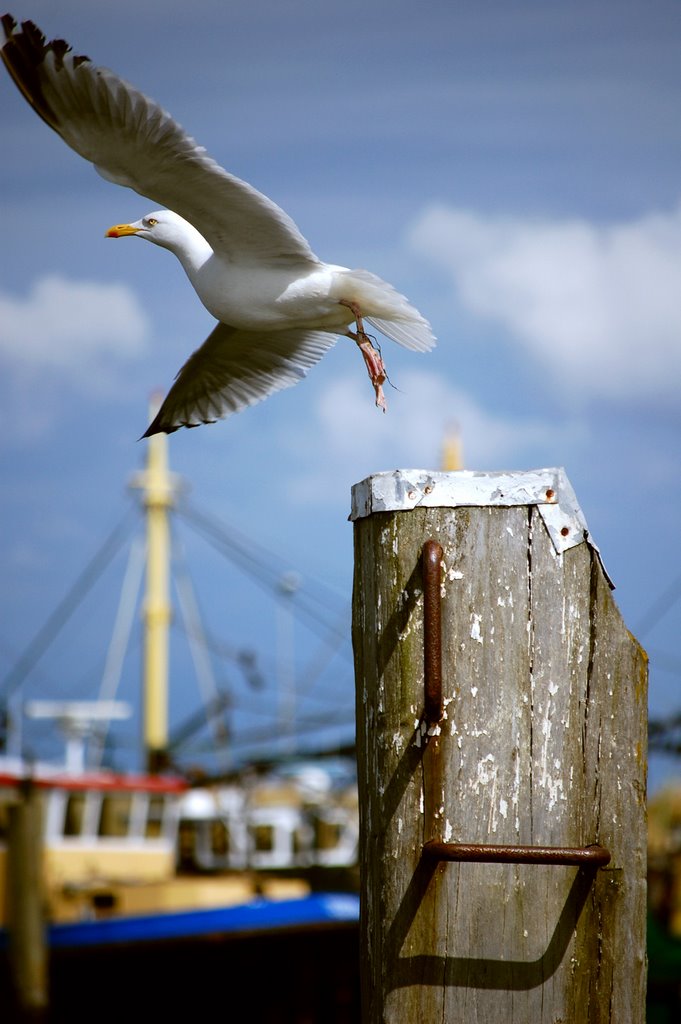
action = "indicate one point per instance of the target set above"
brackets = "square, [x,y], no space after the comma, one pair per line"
[278,307]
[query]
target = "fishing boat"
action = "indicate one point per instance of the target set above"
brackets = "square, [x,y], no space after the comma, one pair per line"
[108,875]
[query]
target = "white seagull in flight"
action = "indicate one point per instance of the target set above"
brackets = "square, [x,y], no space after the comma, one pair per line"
[279,308]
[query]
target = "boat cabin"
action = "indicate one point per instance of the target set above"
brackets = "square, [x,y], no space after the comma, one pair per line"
[102,832]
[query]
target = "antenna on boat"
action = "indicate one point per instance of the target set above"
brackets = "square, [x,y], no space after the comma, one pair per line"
[77,720]
[159,490]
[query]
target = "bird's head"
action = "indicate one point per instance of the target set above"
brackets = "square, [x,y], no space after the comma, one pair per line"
[163,227]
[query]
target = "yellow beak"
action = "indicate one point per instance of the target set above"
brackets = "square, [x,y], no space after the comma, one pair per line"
[118,230]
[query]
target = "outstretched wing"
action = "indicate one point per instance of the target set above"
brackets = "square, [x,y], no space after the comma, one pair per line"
[132,141]
[234,369]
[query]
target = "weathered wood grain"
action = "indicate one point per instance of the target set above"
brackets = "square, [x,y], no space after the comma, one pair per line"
[543,742]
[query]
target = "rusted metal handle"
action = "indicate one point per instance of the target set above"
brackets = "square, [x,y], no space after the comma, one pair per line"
[431,561]
[596,855]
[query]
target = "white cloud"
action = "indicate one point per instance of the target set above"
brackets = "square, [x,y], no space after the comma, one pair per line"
[351,439]
[599,305]
[71,326]
[65,337]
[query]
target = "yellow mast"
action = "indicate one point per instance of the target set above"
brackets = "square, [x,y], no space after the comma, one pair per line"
[159,489]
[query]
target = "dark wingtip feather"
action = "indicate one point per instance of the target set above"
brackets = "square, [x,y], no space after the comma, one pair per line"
[9,24]
[23,53]
[161,426]
[158,427]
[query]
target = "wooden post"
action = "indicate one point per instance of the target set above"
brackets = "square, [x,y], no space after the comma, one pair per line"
[542,743]
[25,910]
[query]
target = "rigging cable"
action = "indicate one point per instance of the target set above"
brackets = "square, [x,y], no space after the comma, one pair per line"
[258,563]
[65,609]
[120,639]
[659,607]
[198,647]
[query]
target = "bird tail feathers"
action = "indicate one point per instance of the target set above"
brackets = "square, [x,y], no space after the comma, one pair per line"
[413,333]
[390,312]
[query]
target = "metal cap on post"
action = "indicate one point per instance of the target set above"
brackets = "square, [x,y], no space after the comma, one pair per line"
[501,733]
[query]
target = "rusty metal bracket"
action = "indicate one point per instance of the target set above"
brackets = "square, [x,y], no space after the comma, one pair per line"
[594,855]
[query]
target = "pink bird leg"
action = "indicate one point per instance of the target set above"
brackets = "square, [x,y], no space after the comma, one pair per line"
[372,357]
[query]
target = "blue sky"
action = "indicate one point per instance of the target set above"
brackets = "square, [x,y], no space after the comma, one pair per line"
[513,168]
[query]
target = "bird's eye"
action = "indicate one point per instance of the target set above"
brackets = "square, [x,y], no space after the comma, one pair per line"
[150,222]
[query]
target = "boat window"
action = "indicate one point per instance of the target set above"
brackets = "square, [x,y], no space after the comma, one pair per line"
[263,837]
[327,834]
[154,827]
[219,836]
[75,812]
[186,840]
[115,816]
